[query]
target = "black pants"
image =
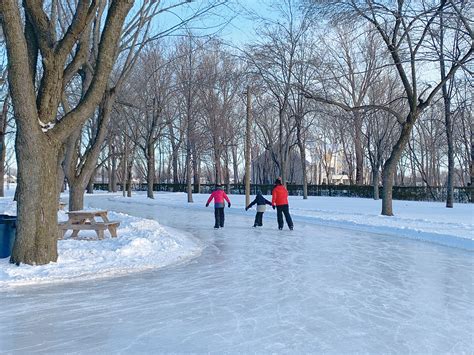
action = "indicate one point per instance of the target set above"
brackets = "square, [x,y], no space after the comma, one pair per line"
[219,216]
[258,219]
[284,209]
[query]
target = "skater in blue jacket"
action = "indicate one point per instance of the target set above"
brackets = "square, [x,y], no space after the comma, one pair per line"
[261,202]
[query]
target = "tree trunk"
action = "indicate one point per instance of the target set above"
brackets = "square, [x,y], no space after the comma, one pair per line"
[390,167]
[2,152]
[303,168]
[90,185]
[76,195]
[359,150]
[196,173]
[3,128]
[471,163]
[124,164]
[448,122]
[227,171]
[114,169]
[150,176]
[129,179]
[235,165]
[449,136]
[217,164]
[375,182]
[109,172]
[38,196]
[189,185]
[174,161]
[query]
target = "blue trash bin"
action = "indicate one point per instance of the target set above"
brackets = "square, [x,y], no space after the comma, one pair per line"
[7,234]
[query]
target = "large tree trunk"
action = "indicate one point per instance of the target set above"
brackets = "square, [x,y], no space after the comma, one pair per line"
[38,196]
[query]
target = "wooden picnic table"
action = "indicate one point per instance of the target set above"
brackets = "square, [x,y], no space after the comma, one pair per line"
[88,220]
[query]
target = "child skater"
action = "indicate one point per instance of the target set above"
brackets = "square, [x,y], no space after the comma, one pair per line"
[218,195]
[261,202]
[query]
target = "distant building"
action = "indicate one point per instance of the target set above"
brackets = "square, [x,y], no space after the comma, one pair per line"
[265,168]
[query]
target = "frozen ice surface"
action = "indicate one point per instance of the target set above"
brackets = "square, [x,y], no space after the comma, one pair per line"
[315,289]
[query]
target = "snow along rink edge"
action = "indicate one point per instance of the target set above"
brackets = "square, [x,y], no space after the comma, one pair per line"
[422,221]
[142,244]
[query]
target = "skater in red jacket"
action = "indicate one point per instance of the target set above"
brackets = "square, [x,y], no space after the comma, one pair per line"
[219,196]
[280,201]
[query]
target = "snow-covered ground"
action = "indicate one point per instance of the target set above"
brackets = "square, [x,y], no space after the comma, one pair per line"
[329,286]
[142,244]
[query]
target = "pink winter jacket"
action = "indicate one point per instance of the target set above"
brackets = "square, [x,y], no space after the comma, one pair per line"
[218,196]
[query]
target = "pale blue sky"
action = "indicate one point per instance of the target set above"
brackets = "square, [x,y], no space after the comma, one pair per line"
[239,30]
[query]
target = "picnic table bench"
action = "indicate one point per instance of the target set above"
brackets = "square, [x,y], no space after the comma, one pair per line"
[86,220]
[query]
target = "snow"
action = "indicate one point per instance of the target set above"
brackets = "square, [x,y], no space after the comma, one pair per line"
[45,127]
[141,244]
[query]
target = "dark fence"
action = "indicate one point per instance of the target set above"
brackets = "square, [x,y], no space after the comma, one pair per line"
[461,194]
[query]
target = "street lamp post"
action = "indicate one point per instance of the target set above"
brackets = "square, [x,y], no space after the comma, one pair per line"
[248,144]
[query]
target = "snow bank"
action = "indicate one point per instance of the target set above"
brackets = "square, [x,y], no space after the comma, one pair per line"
[141,244]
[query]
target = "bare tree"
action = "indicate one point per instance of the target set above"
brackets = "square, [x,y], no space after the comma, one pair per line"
[40,130]
[350,65]
[403,29]
[274,60]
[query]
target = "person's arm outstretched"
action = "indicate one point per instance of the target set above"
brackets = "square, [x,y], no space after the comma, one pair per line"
[251,204]
[209,199]
[227,199]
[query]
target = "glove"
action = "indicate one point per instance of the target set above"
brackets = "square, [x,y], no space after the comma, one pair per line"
[246,208]
[207,205]
[273,207]
[228,205]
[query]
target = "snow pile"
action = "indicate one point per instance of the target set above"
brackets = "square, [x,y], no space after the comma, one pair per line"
[141,244]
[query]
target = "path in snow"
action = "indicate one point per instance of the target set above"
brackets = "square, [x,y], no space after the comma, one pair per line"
[316,289]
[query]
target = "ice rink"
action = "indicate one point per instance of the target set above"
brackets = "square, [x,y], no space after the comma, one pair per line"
[315,289]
